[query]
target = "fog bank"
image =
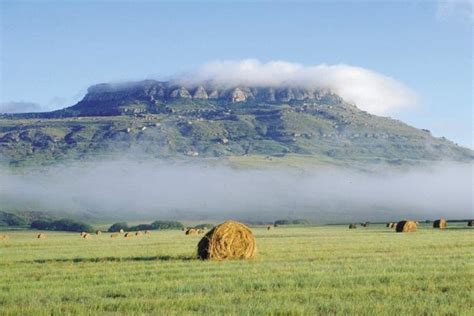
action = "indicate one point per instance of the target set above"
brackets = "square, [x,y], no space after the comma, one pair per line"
[135,190]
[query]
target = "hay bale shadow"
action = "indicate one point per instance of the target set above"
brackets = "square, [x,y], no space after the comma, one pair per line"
[112,259]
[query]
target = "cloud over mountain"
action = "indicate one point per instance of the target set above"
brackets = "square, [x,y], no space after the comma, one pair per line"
[369,90]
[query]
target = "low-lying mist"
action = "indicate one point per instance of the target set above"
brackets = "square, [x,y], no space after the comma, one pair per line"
[131,190]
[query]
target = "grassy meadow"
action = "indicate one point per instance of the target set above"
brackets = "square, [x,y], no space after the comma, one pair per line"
[298,271]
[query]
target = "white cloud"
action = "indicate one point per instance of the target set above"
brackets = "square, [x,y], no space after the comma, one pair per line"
[369,90]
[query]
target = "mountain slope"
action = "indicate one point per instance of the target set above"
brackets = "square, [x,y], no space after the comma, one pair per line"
[166,120]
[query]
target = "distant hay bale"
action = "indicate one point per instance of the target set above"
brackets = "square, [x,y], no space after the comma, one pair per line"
[114,235]
[147,232]
[192,231]
[388,225]
[138,234]
[129,235]
[87,236]
[269,227]
[98,232]
[470,223]
[275,225]
[392,225]
[366,224]
[352,226]
[229,240]
[200,231]
[121,231]
[41,236]
[3,237]
[406,227]
[83,233]
[440,223]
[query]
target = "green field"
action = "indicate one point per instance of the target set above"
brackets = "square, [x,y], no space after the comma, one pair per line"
[298,270]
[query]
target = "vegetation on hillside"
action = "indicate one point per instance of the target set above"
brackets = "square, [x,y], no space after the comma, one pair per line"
[61,225]
[292,222]
[326,128]
[156,225]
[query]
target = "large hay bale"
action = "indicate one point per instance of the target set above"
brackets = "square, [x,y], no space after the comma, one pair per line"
[388,225]
[87,236]
[121,231]
[352,226]
[83,233]
[138,234]
[41,236]
[229,240]
[129,235]
[440,223]
[192,231]
[470,223]
[147,232]
[269,227]
[114,235]
[3,237]
[406,227]
[98,232]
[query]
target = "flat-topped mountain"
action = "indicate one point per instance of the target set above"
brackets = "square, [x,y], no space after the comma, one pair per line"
[166,120]
[152,96]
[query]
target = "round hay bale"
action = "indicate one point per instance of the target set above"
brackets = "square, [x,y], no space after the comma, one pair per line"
[41,236]
[352,226]
[200,231]
[191,231]
[269,227]
[229,240]
[121,231]
[275,225]
[98,232]
[440,223]
[87,236]
[114,235]
[470,223]
[147,232]
[3,237]
[129,235]
[138,234]
[406,227]
[388,225]
[83,233]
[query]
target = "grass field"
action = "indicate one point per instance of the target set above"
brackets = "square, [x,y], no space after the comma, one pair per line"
[298,270]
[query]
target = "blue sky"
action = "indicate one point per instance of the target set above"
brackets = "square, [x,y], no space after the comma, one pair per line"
[52,51]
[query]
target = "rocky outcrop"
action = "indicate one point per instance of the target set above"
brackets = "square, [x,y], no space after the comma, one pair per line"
[237,95]
[156,91]
[200,93]
[182,93]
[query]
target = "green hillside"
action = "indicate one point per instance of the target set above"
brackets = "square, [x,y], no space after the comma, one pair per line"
[248,123]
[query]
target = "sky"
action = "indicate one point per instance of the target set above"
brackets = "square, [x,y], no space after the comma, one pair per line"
[52,51]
